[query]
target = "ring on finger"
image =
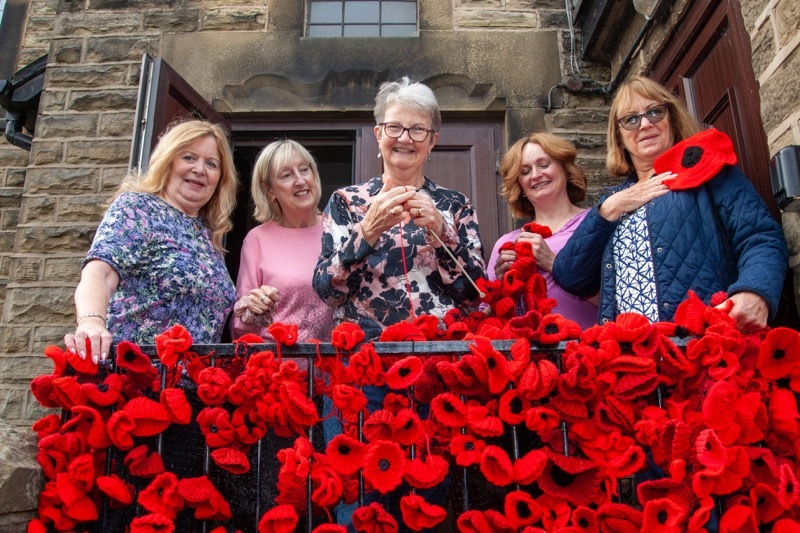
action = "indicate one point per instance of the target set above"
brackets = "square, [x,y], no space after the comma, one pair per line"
[263,298]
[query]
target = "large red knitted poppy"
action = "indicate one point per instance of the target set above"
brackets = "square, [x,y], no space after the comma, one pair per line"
[697,159]
[384,464]
[419,514]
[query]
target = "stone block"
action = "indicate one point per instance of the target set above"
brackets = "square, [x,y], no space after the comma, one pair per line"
[113,49]
[175,20]
[791,230]
[67,51]
[15,177]
[34,411]
[80,208]
[751,11]
[63,269]
[10,197]
[763,45]
[234,19]
[486,18]
[37,24]
[7,239]
[31,53]
[13,156]
[26,269]
[484,4]
[21,369]
[98,23]
[131,4]
[52,101]
[62,180]
[5,262]
[106,152]
[74,125]
[11,403]
[40,305]
[552,19]
[45,239]
[9,219]
[44,336]
[780,93]
[580,119]
[116,124]
[111,179]
[46,152]
[87,76]
[38,209]
[103,100]
[15,339]
[21,477]
[787,20]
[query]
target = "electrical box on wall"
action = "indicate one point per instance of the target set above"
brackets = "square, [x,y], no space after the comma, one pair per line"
[784,175]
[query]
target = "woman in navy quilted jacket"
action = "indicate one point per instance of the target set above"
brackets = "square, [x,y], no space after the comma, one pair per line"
[684,218]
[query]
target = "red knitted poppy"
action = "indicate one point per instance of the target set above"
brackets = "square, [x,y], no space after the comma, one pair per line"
[151,523]
[299,406]
[215,424]
[82,365]
[279,519]
[407,427]
[663,516]
[373,519]
[89,422]
[232,460]
[384,464]
[426,473]
[120,426]
[574,479]
[529,467]
[177,406]
[779,353]
[326,486]
[67,392]
[75,503]
[696,159]
[482,422]
[738,519]
[346,336]
[538,380]
[521,509]
[448,409]
[212,385]
[201,495]
[555,328]
[131,358]
[467,449]
[119,492]
[162,496]
[419,514]
[496,466]
[379,426]
[106,393]
[172,344]
[483,522]
[149,416]
[365,367]
[404,373]
[141,462]
[47,425]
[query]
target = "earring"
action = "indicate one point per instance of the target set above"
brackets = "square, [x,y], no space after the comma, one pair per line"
[429,157]
[379,154]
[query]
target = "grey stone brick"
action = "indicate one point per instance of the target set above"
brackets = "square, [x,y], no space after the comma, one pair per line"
[234,19]
[103,100]
[66,50]
[80,209]
[45,239]
[39,305]
[176,21]
[116,124]
[15,339]
[38,209]
[26,269]
[98,23]
[62,180]
[73,125]
[113,49]
[88,76]
[105,152]
[66,269]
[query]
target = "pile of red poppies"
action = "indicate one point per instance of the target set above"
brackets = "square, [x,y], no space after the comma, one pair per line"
[721,449]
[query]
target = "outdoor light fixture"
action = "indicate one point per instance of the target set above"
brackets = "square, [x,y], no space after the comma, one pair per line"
[784,174]
[647,8]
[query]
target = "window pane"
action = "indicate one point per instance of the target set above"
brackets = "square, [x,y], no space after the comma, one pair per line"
[362,30]
[330,12]
[399,30]
[362,12]
[399,12]
[325,31]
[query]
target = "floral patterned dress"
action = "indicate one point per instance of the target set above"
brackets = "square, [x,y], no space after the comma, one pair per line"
[377,286]
[169,271]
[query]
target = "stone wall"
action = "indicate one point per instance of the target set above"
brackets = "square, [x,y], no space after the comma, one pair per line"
[774,28]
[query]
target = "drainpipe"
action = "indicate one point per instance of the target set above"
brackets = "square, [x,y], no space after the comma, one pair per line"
[14,133]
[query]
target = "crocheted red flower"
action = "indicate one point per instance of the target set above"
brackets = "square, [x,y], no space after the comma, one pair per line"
[710,451]
[696,159]
[571,478]
[619,518]
[232,460]
[248,424]
[66,392]
[299,406]
[75,503]
[419,514]
[151,523]
[279,519]
[373,519]
[106,393]
[120,426]
[663,515]
[513,407]
[173,343]
[779,353]
[119,492]
[404,373]
[538,380]
[131,358]
[426,473]
[212,385]
[725,480]
[738,518]
[346,336]
[584,519]
[42,388]
[177,406]
[47,425]
[162,496]
[555,328]
[481,422]
[407,427]
[82,366]
[326,528]
[384,463]
[141,462]
[365,367]
[88,422]
[541,420]
[201,495]
[489,521]
[216,426]
[496,466]
[467,449]
[326,486]
[521,509]
[346,454]
[788,489]
[149,416]
[349,400]
[283,333]
[81,471]
[449,410]
[529,467]
[393,402]
[496,364]
[379,426]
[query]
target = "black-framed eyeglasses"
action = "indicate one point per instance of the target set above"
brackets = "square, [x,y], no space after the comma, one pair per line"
[653,114]
[395,130]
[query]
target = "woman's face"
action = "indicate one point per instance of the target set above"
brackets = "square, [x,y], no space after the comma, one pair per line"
[403,153]
[194,174]
[294,188]
[541,178]
[649,140]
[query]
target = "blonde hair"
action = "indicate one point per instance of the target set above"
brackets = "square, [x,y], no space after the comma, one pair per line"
[618,161]
[562,151]
[272,158]
[217,211]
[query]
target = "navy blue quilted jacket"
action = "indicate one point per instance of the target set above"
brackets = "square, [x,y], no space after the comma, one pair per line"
[740,249]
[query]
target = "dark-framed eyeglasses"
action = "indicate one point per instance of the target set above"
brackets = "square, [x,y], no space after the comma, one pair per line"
[395,130]
[653,114]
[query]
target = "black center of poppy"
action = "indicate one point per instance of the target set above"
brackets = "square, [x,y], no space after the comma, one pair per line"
[708,446]
[409,424]
[595,345]
[469,446]
[723,363]
[404,371]
[129,356]
[626,346]
[383,465]
[160,493]
[561,477]
[691,156]
[662,516]
[583,523]
[681,332]
[759,462]
[491,363]
[778,354]
[213,428]
[103,387]
[551,329]
[523,511]
[343,449]
[789,488]
[761,501]
[448,407]
[515,405]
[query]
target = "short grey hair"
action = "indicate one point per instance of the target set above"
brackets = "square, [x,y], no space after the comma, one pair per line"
[407,93]
[271,159]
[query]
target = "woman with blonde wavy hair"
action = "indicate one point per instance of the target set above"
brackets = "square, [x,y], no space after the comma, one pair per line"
[156,259]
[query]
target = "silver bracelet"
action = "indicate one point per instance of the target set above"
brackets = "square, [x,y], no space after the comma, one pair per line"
[91,315]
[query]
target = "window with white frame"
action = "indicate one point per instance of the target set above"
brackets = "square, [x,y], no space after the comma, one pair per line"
[361,18]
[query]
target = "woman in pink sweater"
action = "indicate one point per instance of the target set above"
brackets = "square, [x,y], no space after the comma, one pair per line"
[279,255]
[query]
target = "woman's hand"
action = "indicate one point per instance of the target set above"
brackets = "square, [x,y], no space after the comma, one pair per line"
[91,338]
[749,309]
[262,300]
[541,251]
[386,210]
[632,198]
[424,213]
[504,261]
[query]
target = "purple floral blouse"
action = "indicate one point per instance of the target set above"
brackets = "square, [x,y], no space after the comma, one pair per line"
[368,286]
[169,271]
